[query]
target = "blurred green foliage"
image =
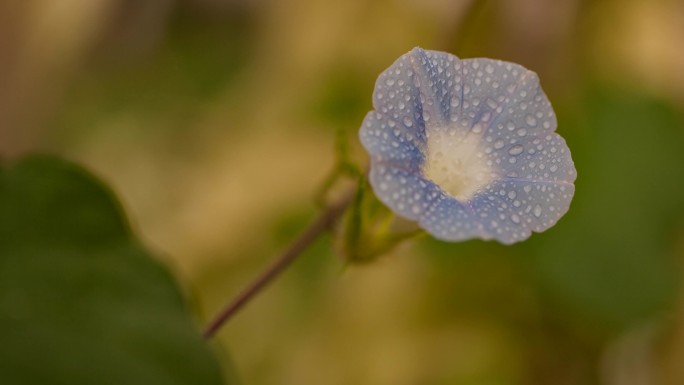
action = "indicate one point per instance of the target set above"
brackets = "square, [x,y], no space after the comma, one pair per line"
[215,121]
[172,85]
[81,301]
[614,258]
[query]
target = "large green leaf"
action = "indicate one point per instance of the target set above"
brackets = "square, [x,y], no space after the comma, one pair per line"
[81,302]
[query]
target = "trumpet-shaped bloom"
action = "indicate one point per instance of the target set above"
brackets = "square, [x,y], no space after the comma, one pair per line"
[467,148]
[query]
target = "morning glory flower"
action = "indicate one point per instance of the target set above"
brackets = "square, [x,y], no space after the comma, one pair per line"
[467,148]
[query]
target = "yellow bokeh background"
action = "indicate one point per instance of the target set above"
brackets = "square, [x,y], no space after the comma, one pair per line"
[214,122]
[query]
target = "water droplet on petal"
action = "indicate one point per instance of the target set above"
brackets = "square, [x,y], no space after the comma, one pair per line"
[516,150]
[531,120]
[408,122]
[537,211]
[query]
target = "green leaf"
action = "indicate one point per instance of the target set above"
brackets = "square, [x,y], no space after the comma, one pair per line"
[81,301]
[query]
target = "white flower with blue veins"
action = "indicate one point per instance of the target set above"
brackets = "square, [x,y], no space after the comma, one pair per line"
[467,148]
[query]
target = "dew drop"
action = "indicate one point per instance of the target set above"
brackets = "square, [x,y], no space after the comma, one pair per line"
[389,82]
[531,120]
[515,218]
[498,144]
[408,122]
[455,101]
[516,150]
[537,211]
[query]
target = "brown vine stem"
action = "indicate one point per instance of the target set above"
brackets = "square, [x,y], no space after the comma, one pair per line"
[324,222]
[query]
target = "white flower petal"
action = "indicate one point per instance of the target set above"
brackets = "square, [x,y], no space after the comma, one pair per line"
[450,220]
[538,158]
[488,90]
[510,209]
[404,191]
[397,95]
[390,141]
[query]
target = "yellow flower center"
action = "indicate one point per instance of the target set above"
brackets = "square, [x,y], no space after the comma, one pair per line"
[456,164]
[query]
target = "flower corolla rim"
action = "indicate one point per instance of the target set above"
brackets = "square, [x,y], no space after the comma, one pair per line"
[467,148]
